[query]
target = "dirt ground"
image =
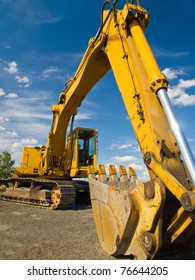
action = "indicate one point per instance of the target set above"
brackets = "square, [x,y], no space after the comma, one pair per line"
[30,233]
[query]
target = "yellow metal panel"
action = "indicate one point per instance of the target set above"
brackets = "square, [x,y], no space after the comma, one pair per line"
[31,161]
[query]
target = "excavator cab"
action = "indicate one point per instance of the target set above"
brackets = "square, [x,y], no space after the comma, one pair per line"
[84,151]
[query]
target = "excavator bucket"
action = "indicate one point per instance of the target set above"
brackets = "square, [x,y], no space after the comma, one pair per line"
[127,213]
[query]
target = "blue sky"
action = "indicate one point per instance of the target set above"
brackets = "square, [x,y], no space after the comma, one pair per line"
[41,45]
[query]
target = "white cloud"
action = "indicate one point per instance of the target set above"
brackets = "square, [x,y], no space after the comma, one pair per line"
[11,95]
[186,83]
[185,100]
[25,81]
[131,146]
[178,93]
[29,141]
[2,128]
[12,133]
[139,167]
[172,73]
[12,67]
[27,109]
[83,116]
[2,119]
[124,159]
[8,47]
[124,146]
[46,73]
[2,92]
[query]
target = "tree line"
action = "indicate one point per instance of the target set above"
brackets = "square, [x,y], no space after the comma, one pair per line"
[6,165]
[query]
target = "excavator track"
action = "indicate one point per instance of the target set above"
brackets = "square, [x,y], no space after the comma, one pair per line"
[53,194]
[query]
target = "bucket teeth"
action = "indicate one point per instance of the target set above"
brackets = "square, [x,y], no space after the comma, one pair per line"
[132,175]
[113,177]
[91,172]
[102,177]
[123,174]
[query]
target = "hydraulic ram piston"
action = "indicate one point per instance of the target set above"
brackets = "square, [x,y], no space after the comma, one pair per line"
[178,133]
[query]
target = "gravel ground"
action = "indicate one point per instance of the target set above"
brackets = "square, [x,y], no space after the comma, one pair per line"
[30,233]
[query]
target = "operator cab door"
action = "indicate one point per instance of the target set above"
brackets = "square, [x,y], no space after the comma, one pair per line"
[84,151]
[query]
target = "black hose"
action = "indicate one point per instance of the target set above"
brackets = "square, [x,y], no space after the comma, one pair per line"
[112,4]
[113,9]
[107,17]
[132,2]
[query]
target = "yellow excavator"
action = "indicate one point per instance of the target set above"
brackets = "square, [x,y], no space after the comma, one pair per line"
[141,220]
